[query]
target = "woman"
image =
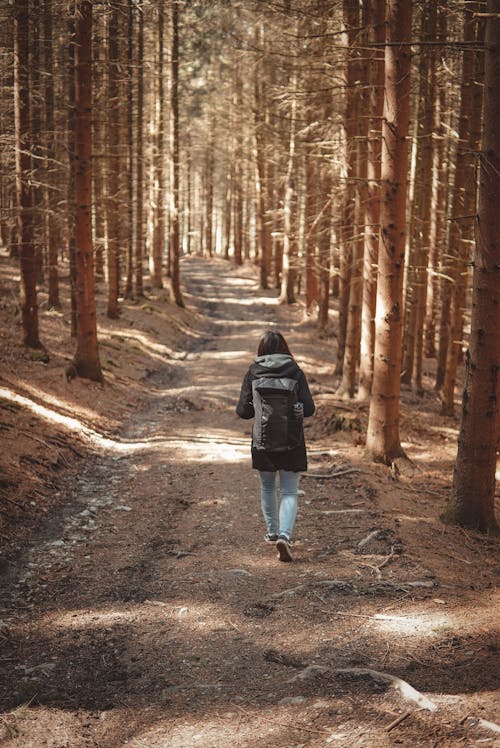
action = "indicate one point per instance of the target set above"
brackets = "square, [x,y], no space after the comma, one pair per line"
[277,439]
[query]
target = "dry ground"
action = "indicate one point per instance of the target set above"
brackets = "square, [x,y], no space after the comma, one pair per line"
[140,606]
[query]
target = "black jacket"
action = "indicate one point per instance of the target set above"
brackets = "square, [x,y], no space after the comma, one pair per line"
[277,364]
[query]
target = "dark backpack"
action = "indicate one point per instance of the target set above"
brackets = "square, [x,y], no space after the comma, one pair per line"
[277,425]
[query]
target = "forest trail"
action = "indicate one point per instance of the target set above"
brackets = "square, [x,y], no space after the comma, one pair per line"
[150,613]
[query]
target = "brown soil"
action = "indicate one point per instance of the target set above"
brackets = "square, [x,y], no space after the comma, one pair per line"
[140,605]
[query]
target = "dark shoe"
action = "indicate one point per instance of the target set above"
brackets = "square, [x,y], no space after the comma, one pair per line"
[283,548]
[270,537]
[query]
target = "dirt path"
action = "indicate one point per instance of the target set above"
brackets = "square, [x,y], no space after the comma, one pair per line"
[150,612]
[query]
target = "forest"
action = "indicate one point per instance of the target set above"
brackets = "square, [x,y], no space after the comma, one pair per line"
[176,177]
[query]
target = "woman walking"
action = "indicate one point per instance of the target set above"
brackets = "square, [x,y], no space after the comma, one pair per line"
[276,395]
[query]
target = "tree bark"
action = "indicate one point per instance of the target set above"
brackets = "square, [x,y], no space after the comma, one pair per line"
[128,184]
[174,251]
[263,238]
[25,235]
[420,223]
[383,441]
[71,134]
[372,205]
[114,146]
[139,213]
[51,232]
[438,203]
[356,134]
[86,359]
[463,209]
[473,494]
[288,271]
[350,14]
[158,176]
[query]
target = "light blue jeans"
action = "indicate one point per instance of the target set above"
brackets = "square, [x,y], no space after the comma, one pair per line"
[279,522]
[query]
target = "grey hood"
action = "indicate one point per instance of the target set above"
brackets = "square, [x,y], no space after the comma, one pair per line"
[273,360]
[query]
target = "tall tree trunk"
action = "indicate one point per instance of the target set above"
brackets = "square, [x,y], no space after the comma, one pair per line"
[288,273]
[174,252]
[324,246]
[438,204]
[139,213]
[372,205]
[25,238]
[100,168]
[263,238]
[473,494]
[114,145]
[209,190]
[451,259]
[86,359]
[356,131]
[350,17]
[51,232]
[158,237]
[464,209]
[238,172]
[71,210]
[37,126]
[419,245]
[131,131]
[383,441]
[311,208]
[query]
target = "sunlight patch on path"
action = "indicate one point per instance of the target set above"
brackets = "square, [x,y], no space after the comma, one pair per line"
[188,615]
[226,730]
[424,624]
[212,446]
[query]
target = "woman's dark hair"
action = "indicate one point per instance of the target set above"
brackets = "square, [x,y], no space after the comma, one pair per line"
[273,342]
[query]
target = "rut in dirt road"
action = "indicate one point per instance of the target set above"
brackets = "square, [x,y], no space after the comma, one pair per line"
[151,612]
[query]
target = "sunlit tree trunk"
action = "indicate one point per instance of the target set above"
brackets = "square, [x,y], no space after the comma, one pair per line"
[375,105]
[158,176]
[324,246]
[86,359]
[288,272]
[383,440]
[350,14]
[25,237]
[420,224]
[437,231]
[228,201]
[174,252]
[209,190]
[263,238]
[356,132]
[114,146]
[311,222]
[100,143]
[473,495]
[238,173]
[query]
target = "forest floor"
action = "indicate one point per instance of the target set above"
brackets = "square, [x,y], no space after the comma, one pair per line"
[140,605]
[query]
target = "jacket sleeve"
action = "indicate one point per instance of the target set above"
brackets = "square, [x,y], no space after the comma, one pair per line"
[305,396]
[245,404]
